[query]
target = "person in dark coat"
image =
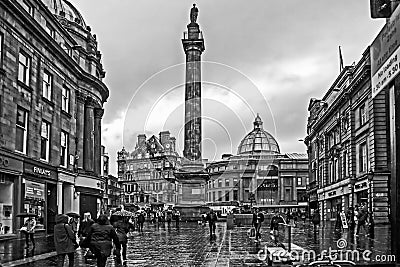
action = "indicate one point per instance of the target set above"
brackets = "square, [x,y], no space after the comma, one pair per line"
[122,229]
[316,219]
[64,240]
[84,226]
[100,237]
[258,218]
[211,219]
[140,220]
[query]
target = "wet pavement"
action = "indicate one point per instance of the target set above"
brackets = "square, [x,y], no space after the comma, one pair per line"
[190,245]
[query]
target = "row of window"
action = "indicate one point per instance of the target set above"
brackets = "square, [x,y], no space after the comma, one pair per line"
[24,70]
[223,196]
[21,138]
[339,166]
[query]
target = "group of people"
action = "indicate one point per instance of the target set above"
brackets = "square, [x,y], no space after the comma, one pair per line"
[97,237]
[162,216]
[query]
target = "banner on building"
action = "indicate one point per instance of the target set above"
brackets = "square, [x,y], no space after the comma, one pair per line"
[385,54]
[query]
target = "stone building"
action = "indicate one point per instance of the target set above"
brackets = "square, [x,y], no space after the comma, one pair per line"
[347,142]
[147,173]
[259,175]
[51,95]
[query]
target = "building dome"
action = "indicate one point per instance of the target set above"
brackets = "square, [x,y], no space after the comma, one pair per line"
[63,8]
[258,141]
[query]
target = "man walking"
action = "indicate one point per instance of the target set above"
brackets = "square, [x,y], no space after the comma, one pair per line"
[258,218]
[211,218]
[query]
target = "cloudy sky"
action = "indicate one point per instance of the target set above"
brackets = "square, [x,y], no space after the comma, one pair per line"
[262,56]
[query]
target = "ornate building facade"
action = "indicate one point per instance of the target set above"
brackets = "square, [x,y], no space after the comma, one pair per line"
[52,96]
[259,175]
[347,142]
[147,173]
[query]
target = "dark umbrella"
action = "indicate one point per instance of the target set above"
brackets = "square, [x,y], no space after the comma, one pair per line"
[73,214]
[26,214]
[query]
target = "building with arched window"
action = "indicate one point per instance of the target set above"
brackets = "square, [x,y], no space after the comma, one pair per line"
[259,175]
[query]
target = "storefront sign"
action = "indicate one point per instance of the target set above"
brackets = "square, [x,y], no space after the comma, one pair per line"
[385,54]
[344,220]
[360,186]
[34,190]
[38,170]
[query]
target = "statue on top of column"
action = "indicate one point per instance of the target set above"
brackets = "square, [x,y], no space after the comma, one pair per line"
[194,13]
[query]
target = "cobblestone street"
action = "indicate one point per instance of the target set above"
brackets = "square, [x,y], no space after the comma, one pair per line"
[190,245]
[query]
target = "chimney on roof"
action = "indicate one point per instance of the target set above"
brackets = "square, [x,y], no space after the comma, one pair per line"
[141,140]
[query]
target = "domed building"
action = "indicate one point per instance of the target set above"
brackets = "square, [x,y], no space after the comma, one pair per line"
[259,175]
[52,97]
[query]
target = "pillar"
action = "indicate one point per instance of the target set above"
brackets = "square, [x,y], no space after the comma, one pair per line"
[80,122]
[60,197]
[98,115]
[88,152]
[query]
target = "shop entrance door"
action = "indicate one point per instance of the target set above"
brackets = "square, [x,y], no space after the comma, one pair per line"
[88,203]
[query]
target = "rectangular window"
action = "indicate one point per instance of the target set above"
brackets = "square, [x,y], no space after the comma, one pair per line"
[235,195]
[363,158]
[21,130]
[47,86]
[64,149]
[227,196]
[28,7]
[213,196]
[346,163]
[219,195]
[226,182]
[299,181]
[24,68]
[1,49]
[50,30]
[45,141]
[363,115]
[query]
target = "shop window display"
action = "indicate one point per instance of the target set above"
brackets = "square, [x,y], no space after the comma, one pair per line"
[6,204]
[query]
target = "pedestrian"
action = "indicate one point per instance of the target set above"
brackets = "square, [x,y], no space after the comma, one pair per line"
[122,229]
[64,240]
[84,226]
[356,215]
[316,219]
[29,231]
[100,238]
[169,217]
[211,219]
[140,221]
[350,219]
[177,218]
[362,218]
[258,218]
[274,226]
[74,222]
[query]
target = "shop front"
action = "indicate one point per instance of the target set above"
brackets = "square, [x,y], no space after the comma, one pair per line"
[10,172]
[40,194]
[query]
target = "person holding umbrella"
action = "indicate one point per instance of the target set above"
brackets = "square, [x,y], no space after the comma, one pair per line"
[64,240]
[29,231]
[122,229]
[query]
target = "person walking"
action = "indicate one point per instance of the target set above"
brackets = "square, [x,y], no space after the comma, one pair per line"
[140,221]
[177,218]
[30,225]
[84,226]
[316,219]
[122,229]
[211,219]
[64,240]
[100,239]
[274,226]
[362,218]
[350,219]
[258,218]
[169,217]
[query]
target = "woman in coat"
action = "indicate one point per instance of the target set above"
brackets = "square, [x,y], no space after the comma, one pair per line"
[64,240]
[30,225]
[100,237]
[122,229]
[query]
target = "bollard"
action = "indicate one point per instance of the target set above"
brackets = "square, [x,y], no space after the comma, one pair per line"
[290,237]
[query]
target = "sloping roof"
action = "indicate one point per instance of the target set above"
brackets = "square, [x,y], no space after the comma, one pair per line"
[297,155]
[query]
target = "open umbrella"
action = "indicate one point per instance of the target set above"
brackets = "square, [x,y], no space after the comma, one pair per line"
[123,213]
[73,214]
[26,214]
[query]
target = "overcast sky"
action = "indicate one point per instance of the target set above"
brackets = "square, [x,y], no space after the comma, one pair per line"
[262,56]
